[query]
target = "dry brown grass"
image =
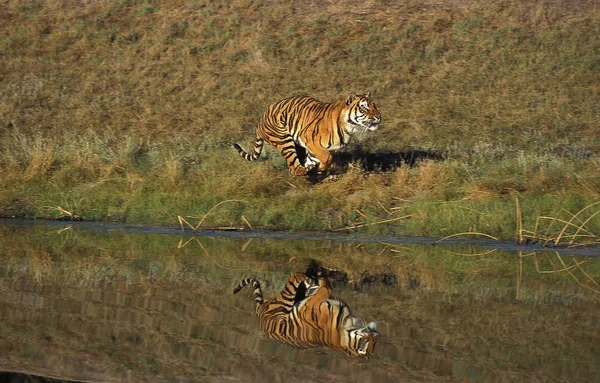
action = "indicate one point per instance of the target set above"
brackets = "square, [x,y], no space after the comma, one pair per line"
[155,68]
[572,230]
[40,164]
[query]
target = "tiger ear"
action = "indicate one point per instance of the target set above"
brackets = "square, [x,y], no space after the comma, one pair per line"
[368,94]
[350,99]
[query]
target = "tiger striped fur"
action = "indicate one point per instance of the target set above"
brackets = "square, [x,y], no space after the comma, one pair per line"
[304,315]
[316,126]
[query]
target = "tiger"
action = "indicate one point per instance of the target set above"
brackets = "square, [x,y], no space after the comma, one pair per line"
[304,315]
[317,127]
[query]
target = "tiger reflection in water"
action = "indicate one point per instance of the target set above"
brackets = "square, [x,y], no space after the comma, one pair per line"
[304,315]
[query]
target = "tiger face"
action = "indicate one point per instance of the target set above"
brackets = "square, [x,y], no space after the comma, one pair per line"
[360,338]
[361,114]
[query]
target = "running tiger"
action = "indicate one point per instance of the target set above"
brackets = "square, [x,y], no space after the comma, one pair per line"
[318,127]
[304,315]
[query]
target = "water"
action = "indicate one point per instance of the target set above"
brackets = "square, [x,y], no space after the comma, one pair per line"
[89,302]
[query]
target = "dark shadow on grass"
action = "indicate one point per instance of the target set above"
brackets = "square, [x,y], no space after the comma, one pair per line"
[340,278]
[381,160]
[376,161]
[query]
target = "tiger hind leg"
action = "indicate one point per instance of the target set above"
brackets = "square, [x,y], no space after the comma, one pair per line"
[306,157]
[294,291]
[258,295]
[287,148]
[258,146]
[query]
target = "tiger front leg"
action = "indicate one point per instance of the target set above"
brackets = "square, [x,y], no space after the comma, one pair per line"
[312,307]
[326,161]
[311,161]
[321,156]
[319,290]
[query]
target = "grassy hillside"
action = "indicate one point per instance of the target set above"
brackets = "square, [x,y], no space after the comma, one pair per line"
[126,110]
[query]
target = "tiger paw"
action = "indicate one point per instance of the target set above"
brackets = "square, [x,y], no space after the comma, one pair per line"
[298,171]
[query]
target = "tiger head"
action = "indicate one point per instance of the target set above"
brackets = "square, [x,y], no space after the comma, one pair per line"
[359,339]
[361,114]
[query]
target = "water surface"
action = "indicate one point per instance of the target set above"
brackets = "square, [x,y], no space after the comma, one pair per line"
[95,303]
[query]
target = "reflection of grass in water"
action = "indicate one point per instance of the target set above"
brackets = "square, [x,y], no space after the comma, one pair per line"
[571,232]
[30,351]
[92,257]
[462,305]
[575,229]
